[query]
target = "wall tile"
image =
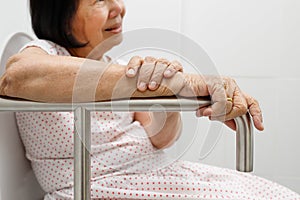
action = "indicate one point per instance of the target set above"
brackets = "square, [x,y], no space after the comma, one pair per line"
[242,37]
[290,41]
[287,147]
[153,13]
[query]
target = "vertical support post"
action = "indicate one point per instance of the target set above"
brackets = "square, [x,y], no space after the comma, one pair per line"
[82,147]
[244,143]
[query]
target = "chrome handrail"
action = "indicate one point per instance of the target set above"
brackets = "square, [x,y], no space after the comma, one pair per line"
[82,143]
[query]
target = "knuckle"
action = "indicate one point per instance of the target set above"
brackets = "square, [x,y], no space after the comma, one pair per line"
[134,62]
[177,64]
[136,58]
[171,67]
[232,79]
[256,102]
[243,109]
[163,61]
[228,79]
[162,64]
[256,111]
[253,101]
[150,59]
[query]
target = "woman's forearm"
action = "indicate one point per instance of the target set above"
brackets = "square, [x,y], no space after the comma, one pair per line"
[46,78]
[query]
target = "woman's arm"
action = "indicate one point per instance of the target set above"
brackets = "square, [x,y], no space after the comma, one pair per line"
[163,128]
[35,75]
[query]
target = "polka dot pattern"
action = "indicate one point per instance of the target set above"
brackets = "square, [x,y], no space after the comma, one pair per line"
[124,164]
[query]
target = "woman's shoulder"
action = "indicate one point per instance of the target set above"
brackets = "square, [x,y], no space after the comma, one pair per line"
[50,47]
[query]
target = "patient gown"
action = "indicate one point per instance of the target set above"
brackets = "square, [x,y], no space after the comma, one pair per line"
[124,164]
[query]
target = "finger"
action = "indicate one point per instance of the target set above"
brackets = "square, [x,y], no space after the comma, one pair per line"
[239,106]
[255,112]
[200,111]
[145,73]
[230,86]
[231,124]
[205,112]
[222,93]
[173,68]
[133,66]
[217,90]
[219,110]
[220,90]
[157,75]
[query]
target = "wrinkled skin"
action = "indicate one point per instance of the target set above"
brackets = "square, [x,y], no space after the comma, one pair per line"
[52,85]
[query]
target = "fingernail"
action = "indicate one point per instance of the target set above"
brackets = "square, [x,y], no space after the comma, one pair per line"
[131,72]
[152,85]
[142,86]
[168,72]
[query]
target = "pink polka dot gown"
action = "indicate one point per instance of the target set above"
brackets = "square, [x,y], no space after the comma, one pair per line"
[124,164]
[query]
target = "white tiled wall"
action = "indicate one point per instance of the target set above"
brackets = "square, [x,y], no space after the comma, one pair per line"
[238,35]
[153,14]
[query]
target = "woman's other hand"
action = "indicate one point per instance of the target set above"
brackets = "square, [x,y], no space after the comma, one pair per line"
[228,101]
[151,71]
[226,94]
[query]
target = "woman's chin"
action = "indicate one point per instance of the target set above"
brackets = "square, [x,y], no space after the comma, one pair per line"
[105,46]
[116,39]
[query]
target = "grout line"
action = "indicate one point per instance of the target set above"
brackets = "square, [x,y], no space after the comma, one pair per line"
[181,16]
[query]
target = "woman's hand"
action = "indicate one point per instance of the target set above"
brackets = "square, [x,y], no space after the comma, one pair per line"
[163,129]
[228,101]
[151,71]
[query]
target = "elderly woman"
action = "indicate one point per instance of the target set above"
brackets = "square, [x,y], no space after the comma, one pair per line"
[127,162]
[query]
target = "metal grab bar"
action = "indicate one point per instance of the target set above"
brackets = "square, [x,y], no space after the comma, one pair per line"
[82,145]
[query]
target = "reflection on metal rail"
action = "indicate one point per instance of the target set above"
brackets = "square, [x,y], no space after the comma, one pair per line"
[244,135]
